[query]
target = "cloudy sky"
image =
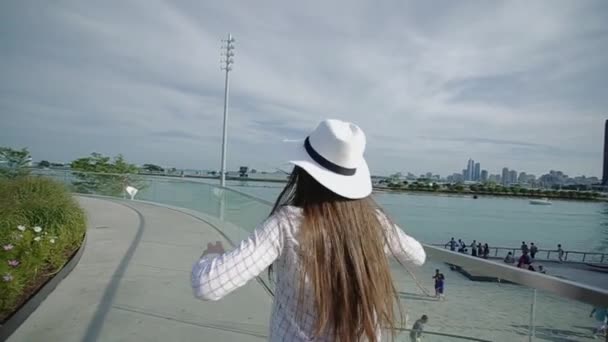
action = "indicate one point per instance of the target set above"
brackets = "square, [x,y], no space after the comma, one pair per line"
[432,83]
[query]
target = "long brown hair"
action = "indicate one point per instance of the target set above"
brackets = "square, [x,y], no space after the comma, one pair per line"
[342,246]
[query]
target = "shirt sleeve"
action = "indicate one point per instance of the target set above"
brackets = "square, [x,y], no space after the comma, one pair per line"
[403,247]
[213,277]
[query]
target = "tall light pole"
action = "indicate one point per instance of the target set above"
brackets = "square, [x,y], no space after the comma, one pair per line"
[227,66]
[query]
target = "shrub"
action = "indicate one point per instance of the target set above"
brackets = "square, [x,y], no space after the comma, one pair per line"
[103,176]
[41,226]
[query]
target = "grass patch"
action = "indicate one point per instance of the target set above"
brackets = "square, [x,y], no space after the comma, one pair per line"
[41,226]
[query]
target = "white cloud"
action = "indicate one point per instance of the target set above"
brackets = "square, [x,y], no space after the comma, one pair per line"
[431,84]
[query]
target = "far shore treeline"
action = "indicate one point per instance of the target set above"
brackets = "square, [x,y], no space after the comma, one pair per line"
[89,173]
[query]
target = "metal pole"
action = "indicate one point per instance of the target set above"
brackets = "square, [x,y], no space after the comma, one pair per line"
[227,66]
[532,331]
[225,134]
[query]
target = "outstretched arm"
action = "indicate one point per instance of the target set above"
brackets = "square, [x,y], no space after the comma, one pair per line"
[216,275]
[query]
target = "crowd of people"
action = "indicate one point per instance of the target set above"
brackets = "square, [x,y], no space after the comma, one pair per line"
[525,260]
[477,249]
[528,256]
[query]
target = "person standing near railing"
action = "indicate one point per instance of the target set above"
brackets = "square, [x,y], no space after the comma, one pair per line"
[524,248]
[560,253]
[533,250]
[328,243]
[474,248]
[452,244]
[486,251]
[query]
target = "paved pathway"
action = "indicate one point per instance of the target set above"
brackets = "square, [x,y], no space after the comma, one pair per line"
[133,284]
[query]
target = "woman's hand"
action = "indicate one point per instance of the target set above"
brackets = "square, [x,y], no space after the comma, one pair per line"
[218,248]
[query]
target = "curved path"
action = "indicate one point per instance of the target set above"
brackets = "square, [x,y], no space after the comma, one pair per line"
[133,284]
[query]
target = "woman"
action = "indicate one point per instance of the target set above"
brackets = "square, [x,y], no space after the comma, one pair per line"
[327,242]
[439,284]
[486,251]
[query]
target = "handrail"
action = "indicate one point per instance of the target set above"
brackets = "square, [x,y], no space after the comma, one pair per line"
[562,287]
[603,256]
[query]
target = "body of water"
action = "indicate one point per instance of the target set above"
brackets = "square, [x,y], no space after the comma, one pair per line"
[499,221]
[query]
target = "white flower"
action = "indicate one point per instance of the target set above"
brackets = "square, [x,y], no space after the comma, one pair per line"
[37,238]
[21,228]
[52,240]
[37,229]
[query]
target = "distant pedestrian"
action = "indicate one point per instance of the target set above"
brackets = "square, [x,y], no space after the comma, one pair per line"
[601,315]
[452,244]
[439,284]
[461,246]
[509,258]
[524,248]
[479,250]
[486,251]
[541,269]
[533,250]
[524,261]
[474,248]
[560,253]
[416,333]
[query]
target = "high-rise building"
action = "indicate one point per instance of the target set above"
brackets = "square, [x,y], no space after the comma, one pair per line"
[464,175]
[523,178]
[484,176]
[470,170]
[505,176]
[477,173]
[512,177]
[605,175]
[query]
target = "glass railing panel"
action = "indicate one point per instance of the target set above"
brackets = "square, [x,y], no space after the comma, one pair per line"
[244,211]
[184,194]
[560,319]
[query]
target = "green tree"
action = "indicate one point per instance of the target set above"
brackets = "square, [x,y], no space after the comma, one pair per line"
[44,163]
[436,187]
[14,163]
[101,175]
[152,168]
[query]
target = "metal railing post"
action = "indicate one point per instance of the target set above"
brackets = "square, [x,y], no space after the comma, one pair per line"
[584,256]
[532,330]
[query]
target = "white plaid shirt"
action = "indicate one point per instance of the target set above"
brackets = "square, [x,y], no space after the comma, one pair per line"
[274,241]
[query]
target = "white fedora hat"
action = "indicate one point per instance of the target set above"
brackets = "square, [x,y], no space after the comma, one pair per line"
[333,155]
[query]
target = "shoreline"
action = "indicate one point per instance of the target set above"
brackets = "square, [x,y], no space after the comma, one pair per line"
[402,190]
[488,194]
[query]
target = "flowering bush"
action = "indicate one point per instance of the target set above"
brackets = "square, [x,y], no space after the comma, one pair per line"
[41,226]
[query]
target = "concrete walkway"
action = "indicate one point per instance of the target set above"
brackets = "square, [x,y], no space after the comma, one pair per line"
[133,284]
